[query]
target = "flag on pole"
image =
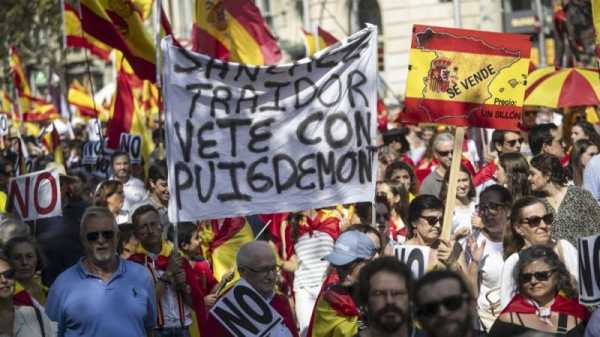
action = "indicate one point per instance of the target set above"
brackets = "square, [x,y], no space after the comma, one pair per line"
[119,24]
[79,97]
[325,40]
[233,30]
[77,38]
[20,80]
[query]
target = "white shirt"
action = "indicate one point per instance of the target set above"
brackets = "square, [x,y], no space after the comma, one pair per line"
[508,287]
[26,323]
[462,216]
[309,251]
[134,191]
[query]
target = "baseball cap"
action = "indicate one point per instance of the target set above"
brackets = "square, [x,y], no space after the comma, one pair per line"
[350,246]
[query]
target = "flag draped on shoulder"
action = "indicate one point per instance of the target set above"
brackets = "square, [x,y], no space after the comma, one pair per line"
[233,30]
[325,39]
[77,38]
[119,24]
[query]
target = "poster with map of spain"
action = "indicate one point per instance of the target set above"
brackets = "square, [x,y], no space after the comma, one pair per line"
[466,77]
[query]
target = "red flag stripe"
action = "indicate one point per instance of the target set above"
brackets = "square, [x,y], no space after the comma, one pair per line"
[79,42]
[209,45]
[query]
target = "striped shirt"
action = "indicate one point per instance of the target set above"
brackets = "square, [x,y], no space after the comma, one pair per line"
[309,251]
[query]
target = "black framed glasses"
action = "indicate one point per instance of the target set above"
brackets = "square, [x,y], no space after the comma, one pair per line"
[513,142]
[8,274]
[432,220]
[539,275]
[94,236]
[265,270]
[534,221]
[450,303]
[443,153]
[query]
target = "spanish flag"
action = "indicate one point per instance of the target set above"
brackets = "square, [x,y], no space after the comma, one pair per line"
[53,144]
[41,111]
[20,80]
[335,314]
[233,30]
[596,19]
[6,105]
[77,38]
[118,24]
[466,77]
[221,240]
[325,40]
[80,98]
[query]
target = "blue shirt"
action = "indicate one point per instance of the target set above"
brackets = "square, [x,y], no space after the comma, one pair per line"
[84,305]
[591,177]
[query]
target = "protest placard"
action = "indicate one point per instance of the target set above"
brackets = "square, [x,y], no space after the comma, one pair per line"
[589,269]
[466,77]
[4,125]
[132,145]
[36,195]
[415,257]
[245,313]
[247,139]
[91,151]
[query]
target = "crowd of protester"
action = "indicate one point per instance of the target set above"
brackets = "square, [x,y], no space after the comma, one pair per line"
[113,265]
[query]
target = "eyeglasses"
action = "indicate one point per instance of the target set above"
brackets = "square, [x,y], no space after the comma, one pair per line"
[490,207]
[513,142]
[94,236]
[432,220]
[539,275]
[443,153]
[534,221]
[263,271]
[8,274]
[451,303]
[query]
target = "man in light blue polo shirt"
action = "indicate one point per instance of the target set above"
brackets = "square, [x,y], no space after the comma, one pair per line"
[102,295]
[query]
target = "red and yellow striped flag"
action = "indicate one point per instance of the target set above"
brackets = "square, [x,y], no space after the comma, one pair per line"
[6,106]
[466,77]
[80,98]
[325,40]
[118,24]
[596,19]
[77,38]
[20,80]
[233,30]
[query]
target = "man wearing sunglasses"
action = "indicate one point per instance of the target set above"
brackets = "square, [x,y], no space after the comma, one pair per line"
[444,305]
[443,145]
[102,295]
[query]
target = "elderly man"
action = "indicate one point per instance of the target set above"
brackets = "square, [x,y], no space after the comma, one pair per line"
[102,295]
[257,266]
[384,293]
[443,144]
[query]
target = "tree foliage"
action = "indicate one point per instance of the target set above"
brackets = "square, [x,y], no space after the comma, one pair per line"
[35,28]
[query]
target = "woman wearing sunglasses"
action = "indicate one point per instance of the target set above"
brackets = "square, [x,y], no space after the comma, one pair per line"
[19,321]
[576,210]
[531,224]
[25,257]
[424,229]
[546,302]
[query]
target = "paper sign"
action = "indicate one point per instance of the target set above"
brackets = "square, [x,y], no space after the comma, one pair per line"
[589,269]
[4,125]
[245,140]
[245,313]
[36,195]
[415,257]
[466,77]
[132,145]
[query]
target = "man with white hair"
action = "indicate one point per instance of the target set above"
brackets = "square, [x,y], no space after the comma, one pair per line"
[443,145]
[258,267]
[127,306]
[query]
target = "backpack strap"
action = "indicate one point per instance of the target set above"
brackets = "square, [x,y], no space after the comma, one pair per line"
[562,324]
[38,315]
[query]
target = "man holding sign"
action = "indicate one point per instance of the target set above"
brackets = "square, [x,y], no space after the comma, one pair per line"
[251,308]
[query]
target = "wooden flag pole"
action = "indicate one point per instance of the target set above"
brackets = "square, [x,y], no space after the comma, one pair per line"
[459,137]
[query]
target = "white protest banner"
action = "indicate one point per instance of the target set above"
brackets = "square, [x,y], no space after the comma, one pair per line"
[36,195]
[245,313]
[132,145]
[91,151]
[415,257]
[589,269]
[245,140]
[4,125]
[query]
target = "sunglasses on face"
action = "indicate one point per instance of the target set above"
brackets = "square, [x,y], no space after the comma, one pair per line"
[432,220]
[94,236]
[8,274]
[443,153]
[451,303]
[534,221]
[513,142]
[539,275]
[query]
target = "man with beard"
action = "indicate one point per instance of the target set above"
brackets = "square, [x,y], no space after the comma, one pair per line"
[444,305]
[102,295]
[384,291]
[133,188]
